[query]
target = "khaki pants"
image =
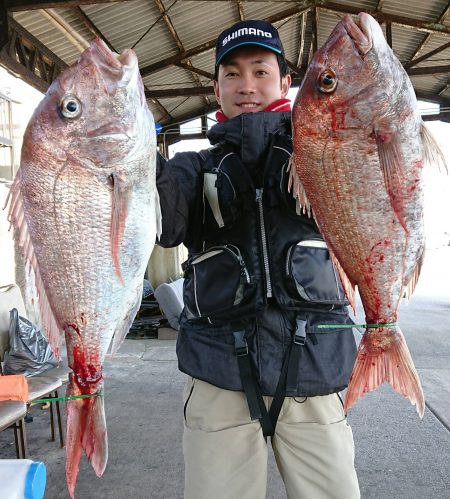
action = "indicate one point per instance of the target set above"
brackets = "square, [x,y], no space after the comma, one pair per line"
[225,453]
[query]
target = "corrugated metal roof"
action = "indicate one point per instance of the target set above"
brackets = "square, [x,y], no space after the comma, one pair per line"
[195,24]
[139,24]
[404,42]
[124,24]
[429,11]
[42,29]
[262,10]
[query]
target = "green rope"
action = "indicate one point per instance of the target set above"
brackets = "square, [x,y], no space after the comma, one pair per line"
[344,326]
[69,397]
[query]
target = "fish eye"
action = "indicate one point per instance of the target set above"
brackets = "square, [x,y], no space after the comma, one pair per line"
[327,81]
[70,107]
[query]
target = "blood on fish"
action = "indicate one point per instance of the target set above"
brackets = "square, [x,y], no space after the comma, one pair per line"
[373,221]
[87,375]
[61,202]
[74,327]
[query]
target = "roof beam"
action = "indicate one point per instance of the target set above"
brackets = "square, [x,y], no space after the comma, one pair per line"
[162,109]
[293,67]
[431,70]
[196,91]
[437,99]
[193,69]
[38,66]
[389,34]
[426,39]
[209,45]
[179,92]
[406,22]
[298,10]
[427,55]
[27,57]
[18,5]
[85,19]
[314,21]
[193,114]
[3,26]
[175,59]
[302,38]
[240,8]
[437,117]
[443,89]
[178,41]
[64,27]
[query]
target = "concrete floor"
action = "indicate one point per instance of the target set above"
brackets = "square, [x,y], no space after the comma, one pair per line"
[398,456]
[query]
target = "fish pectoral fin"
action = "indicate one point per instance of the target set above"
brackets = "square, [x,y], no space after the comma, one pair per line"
[119,212]
[349,287]
[303,206]
[432,153]
[158,215]
[393,171]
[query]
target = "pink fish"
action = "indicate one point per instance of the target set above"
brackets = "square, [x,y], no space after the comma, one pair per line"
[86,211]
[359,151]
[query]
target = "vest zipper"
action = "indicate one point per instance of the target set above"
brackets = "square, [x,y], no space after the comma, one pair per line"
[259,193]
[218,171]
[244,271]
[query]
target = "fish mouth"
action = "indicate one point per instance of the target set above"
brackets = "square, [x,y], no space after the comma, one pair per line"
[359,31]
[116,69]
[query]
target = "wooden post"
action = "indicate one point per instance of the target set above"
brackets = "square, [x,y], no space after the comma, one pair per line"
[3,24]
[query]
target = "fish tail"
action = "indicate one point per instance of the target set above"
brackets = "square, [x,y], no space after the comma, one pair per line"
[392,363]
[86,430]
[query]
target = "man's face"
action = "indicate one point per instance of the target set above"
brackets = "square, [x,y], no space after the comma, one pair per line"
[249,80]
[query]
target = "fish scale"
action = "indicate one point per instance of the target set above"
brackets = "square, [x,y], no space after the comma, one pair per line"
[85,204]
[359,149]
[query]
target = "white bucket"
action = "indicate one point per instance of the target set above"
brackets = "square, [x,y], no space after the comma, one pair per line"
[22,479]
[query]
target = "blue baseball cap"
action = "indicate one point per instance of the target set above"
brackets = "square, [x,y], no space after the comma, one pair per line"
[242,33]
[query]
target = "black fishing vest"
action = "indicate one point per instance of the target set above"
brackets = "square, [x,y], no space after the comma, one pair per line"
[255,253]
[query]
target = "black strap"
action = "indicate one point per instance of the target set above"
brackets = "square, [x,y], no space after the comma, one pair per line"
[252,390]
[294,356]
[247,377]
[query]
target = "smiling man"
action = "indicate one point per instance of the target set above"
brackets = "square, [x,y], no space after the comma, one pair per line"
[258,282]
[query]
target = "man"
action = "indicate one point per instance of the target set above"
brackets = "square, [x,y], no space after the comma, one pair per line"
[258,282]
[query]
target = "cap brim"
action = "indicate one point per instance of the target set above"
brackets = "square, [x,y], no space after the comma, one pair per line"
[273,49]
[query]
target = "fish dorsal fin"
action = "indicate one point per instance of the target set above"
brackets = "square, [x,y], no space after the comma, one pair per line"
[295,186]
[16,216]
[432,153]
[388,145]
[412,279]
[119,212]
[349,287]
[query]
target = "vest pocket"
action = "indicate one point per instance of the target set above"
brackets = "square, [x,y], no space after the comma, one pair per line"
[216,282]
[311,274]
[222,193]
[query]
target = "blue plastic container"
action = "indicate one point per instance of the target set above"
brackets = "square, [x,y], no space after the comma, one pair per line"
[22,479]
